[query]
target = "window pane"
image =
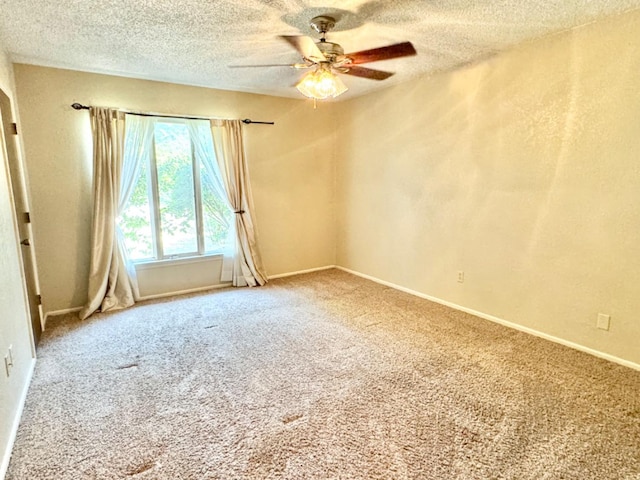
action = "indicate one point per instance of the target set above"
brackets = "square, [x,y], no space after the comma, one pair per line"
[217,216]
[175,189]
[135,221]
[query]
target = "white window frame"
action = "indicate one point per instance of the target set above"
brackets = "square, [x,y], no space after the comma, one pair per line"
[154,203]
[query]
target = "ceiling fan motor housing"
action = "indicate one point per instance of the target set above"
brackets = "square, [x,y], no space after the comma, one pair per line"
[322,23]
[330,50]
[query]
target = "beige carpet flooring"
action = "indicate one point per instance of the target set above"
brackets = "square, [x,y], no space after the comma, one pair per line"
[319,376]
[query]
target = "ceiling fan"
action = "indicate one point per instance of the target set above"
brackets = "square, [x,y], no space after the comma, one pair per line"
[328,58]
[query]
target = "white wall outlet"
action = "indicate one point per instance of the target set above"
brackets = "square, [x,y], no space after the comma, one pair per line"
[603,321]
[460,276]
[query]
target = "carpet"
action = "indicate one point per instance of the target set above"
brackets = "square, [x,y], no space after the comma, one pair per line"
[319,376]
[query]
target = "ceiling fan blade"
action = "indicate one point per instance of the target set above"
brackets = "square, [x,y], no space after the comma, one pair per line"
[396,50]
[368,73]
[306,46]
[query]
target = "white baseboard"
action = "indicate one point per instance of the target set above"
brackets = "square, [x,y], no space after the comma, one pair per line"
[506,323]
[6,455]
[300,272]
[184,292]
[53,313]
[146,297]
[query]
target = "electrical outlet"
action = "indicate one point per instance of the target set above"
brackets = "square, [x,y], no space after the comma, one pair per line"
[460,276]
[603,321]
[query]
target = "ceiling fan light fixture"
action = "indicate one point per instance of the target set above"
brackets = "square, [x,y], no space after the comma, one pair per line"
[327,59]
[321,83]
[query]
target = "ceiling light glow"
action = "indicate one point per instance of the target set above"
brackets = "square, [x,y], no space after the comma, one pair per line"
[321,83]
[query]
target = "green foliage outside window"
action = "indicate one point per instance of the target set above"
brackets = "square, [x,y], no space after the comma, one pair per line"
[176,201]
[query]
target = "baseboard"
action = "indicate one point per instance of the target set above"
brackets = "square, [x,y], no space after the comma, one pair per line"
[146,297]
[54,313]
[184,292]
[300,272]
[506,323]
[6,455]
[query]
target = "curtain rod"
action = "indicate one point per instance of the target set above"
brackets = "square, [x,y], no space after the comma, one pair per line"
[79,106]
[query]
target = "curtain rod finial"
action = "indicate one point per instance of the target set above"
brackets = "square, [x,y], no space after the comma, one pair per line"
[79,106]
[248,121]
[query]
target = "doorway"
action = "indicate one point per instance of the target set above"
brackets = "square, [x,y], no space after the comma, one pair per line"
[8,140]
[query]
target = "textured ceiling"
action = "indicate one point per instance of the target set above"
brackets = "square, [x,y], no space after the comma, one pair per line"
[193,42]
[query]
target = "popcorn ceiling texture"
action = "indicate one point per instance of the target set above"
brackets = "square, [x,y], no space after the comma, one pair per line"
[319,376]
[193,42]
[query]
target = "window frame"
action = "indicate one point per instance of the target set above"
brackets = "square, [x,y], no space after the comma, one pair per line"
[153,196]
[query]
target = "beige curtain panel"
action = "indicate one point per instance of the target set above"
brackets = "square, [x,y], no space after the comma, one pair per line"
[110,284]
[229,147]
[112,279]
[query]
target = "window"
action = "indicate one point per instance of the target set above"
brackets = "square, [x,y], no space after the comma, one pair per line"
[174,210]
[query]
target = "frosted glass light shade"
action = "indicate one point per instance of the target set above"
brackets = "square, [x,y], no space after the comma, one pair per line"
[320,84]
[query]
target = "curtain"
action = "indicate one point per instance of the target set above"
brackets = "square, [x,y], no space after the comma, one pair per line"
[138,138]
[230,156]
[112,279]
[200,133]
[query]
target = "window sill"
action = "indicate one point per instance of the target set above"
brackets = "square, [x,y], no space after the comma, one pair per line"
[150,264]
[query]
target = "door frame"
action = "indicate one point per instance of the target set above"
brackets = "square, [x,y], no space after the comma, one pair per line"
[20,200]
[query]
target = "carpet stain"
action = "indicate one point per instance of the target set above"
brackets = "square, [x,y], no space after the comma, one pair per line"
[137,470]
[127,366]
[634,413]
[469,436]
[291,418]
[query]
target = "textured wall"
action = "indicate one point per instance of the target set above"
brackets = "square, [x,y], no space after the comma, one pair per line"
[522,171]
[291,165]
[14,317]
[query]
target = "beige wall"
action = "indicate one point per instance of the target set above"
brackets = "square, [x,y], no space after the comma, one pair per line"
[291,166]
[522,171]
[14,318]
